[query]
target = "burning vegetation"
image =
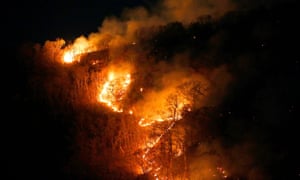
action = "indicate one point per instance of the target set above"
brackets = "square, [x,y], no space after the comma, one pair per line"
[156,113]
[140,107]
[150,96]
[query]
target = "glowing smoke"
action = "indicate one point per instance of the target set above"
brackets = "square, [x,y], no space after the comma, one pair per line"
[156,78]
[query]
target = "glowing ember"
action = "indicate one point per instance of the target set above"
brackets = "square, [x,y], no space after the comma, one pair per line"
[68,57]
[168,116]
[222,172]
[113,91]
[73,51]
[150,165]
[149,121]
[179,152]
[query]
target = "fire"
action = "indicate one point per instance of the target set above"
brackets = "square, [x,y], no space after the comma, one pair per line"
[165,114]
[68,57]
[222,172]
[130,112]
[168,109]
[72,52]
[73,55]
[149,121]
[114,90]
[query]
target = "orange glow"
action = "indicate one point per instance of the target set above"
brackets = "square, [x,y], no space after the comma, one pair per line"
[169,110]
[149,121]
[164,114]
[80,46]
[222,172]
[68,57]
[114,90]
[168,107]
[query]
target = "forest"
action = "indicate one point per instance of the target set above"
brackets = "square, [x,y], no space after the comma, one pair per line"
[214,98]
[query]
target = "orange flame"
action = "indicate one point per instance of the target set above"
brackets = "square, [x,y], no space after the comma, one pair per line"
[72,52]
[112,93]
[114,89]
[164,115]
[68,57]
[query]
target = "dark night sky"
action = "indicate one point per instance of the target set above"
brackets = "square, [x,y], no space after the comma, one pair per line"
[31,21]
[39,21]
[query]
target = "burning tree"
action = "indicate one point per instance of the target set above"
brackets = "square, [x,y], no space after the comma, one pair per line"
[167,137]
[139,111]
[144,96]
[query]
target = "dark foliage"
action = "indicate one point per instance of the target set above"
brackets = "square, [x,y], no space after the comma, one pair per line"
[260,48]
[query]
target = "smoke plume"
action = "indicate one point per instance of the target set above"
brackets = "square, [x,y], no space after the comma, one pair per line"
[195,63]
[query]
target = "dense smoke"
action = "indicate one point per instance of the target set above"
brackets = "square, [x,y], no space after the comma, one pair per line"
[207,54]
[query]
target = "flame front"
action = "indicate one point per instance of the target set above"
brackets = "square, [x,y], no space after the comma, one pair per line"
[112,93]
[68,57]
[165,114]
[114,89]
[165,108]
[72,52]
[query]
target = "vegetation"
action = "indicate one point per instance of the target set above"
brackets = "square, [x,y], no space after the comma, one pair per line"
[242,124]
